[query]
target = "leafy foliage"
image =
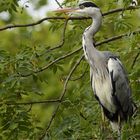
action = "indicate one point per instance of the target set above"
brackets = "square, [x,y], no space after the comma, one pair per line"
[9,5]
[33,75]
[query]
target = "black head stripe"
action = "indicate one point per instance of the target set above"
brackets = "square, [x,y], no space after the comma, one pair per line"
[88,4]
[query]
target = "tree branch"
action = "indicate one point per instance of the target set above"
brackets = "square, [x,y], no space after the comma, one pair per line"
[61,97]
[121,10]
[51,63]
[63,18]
[114,38]
[71,53]
[31,102]
[67,55]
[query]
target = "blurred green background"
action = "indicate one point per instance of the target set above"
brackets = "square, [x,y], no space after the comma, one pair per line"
[25,50]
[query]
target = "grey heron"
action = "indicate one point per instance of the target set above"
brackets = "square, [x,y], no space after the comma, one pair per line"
[109,80]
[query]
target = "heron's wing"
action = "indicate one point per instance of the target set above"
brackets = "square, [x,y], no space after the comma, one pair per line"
[121,92]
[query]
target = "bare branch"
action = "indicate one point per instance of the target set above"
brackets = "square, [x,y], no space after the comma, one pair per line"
[62,96]
[63,18]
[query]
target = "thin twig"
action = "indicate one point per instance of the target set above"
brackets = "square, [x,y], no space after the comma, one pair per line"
[61,43]
[82,115]
[63,34]
[58,4]
[30,108]
[62,96]
[63,18]
[63,37]
[81,76]
[135,60]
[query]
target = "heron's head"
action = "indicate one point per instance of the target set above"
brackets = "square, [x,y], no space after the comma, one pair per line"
[89,9]
[85,9]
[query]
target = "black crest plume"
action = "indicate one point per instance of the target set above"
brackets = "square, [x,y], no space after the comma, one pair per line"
[88,4]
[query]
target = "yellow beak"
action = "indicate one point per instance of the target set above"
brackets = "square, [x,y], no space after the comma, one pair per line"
[66,10]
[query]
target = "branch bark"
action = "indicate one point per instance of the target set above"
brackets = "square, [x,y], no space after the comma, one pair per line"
[68,18]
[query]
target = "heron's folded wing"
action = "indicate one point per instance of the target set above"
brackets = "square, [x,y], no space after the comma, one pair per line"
[121,92]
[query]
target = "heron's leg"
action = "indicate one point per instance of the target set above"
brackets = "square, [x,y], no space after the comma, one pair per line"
[119,129]
[103,120]
[103,116]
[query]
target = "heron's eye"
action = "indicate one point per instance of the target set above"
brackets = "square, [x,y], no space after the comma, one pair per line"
[81,6]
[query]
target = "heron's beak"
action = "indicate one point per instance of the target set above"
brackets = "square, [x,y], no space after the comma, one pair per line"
[67,10]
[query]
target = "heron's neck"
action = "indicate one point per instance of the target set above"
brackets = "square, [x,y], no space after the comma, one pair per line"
[93,28]
[91,53]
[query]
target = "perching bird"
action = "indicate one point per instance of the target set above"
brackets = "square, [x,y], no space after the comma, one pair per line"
[108,77]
